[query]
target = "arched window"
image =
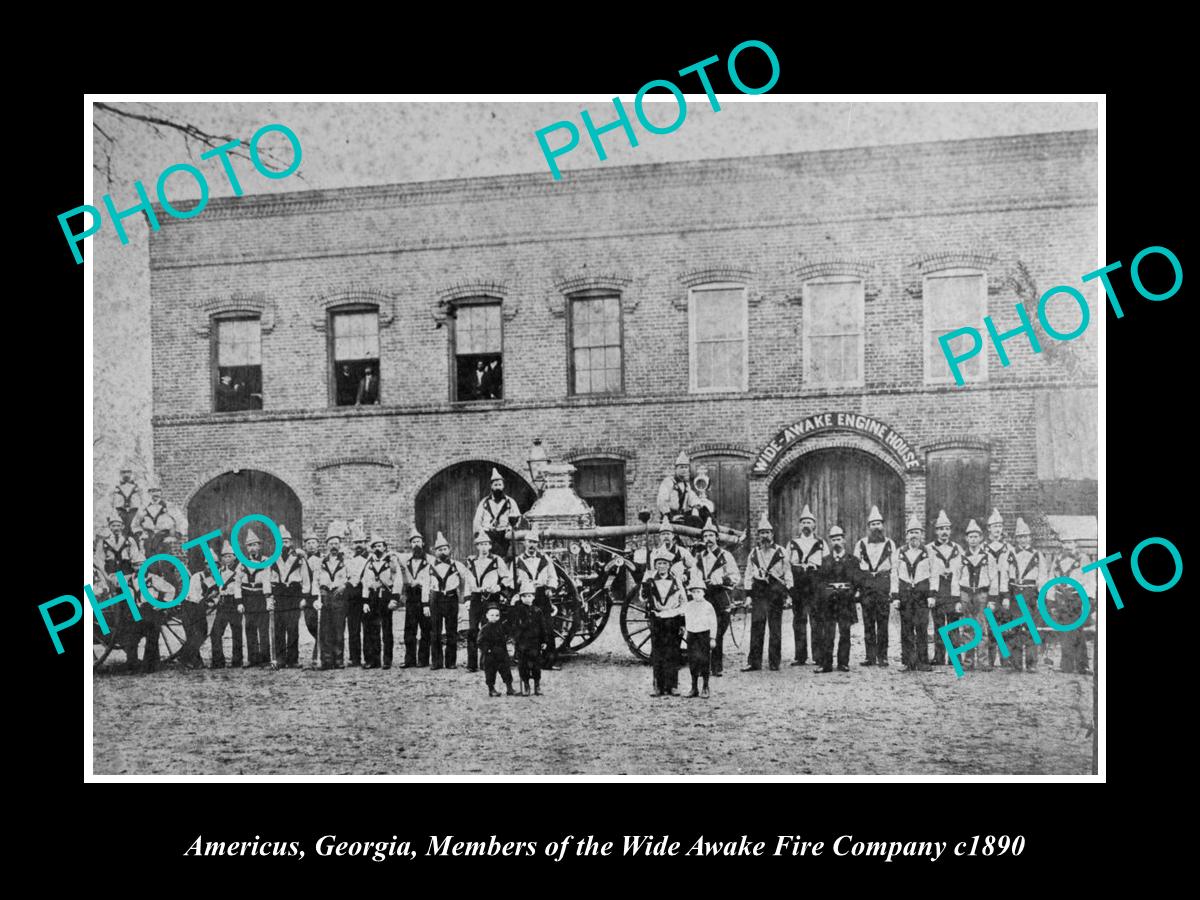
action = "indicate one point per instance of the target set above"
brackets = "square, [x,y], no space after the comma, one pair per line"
[954,298]
[717,329]
[354,378]
[833,331]
[477,339]
[594,324]
[237,362]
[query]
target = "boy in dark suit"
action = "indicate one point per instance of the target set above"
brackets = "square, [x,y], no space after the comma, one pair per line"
[531,633]
[492,645]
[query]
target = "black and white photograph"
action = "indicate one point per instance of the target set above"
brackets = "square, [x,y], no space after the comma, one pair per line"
[531,437]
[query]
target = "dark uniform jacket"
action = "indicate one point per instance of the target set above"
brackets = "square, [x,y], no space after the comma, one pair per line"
[838,579]
[492,641]
[529,628]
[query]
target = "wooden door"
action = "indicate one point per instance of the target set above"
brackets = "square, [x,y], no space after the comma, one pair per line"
[729,490]
[958,481]
[227,498]
[601,484]
[448,501]
[840,485]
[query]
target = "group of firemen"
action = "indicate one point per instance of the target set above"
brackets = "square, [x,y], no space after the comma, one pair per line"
[934,583]
[940,581]
[345,598]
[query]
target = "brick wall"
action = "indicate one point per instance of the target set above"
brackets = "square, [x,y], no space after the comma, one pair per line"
[888,214]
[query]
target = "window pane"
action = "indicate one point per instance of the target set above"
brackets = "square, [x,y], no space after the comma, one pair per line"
[612,358]
[704,364]
[477,329]
[596,343]
[356,335]
[238,342]
[719,314]
[583,379]
[836,307]
[954,301]
[850,345]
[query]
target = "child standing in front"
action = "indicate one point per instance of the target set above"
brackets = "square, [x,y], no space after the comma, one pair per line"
[700,624]
[492,645]
[531,634]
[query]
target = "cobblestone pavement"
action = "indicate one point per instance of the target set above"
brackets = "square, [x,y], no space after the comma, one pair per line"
[596,718]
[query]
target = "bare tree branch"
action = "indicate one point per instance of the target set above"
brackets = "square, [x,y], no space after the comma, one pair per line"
[191,133]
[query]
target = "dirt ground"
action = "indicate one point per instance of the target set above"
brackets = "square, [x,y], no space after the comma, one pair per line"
[596,718]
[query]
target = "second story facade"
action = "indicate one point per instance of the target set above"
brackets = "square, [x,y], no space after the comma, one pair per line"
[805,275]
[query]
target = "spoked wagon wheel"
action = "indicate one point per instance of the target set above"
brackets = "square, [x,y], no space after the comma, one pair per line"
[171,640]
[635,627]
[102,646]
[566,614]
[595,604]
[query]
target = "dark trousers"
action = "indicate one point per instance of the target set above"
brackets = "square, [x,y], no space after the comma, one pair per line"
[974,603]
[333,628]
[821,623]
[876,612]
[498,663]
[227,617]
[258,630]
[1002,616]
[664,652]
[377,628]
[835,623]
[195,630]
[542,601]
[312,621]
[415,620]
[699,657]
[474,620]
[1065,609]
[1024,650]
[354,617]
[529,663]
[914,636]
[721,602]
[942,614]
[444,608]
[766,608]
[287,625]
[149,628]
[802,617]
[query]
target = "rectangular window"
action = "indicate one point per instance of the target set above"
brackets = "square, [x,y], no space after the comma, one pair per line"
[239,365]
[356,357]
[717,334]
[596,345]
[833,332]
[478,356]
[954,299]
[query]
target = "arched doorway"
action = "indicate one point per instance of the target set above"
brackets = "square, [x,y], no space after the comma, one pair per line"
[221,502]
[840,485]
[447,502]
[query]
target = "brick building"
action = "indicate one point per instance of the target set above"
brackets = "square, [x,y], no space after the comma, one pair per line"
[776,317]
